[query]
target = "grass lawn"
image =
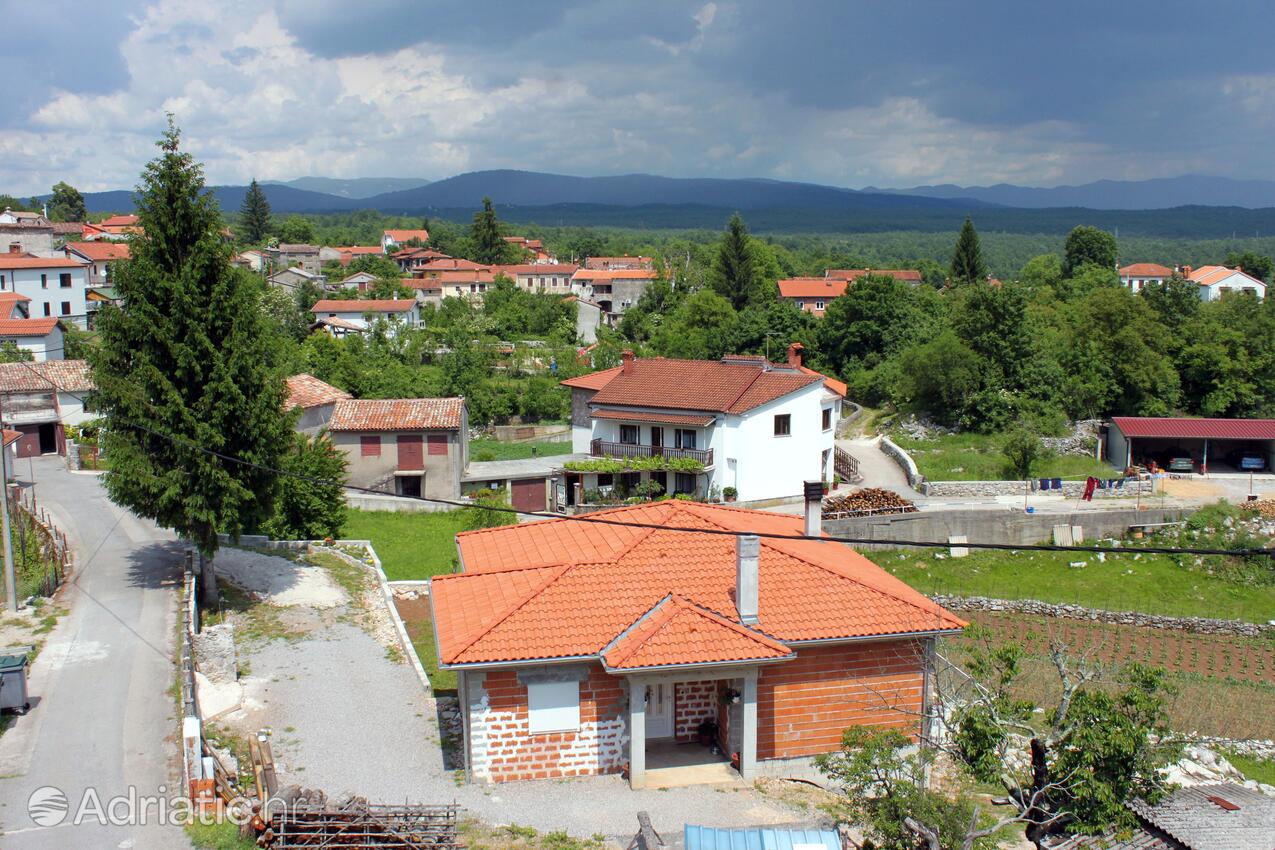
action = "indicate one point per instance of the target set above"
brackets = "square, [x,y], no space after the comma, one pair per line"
[218,836]
[1262,770]
[977,457]
[1153,584]
[415,614]
[489,449]
[410,545]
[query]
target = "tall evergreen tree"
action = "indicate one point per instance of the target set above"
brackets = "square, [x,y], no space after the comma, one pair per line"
[967,259]
[185,367]
[254,222]
[734,276]
[489,246]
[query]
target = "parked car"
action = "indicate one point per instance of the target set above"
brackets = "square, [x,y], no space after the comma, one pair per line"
[1247,461]
[1177,460]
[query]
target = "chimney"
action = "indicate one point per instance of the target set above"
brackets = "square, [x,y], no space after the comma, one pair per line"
[626,362]
[747,554]
[15,247]
[796,355]
[814,508]
[1186,271]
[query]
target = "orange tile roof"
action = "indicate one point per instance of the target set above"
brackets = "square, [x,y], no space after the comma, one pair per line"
[363,305]
[614,274]
[618,262]
[1146,270]
[27,327]
[397,414]
[536,268]
[832,384]
[677,631]
[451,264]
[118,221]
[905,275]
[641,416]
[811,287]
[100,252]
[307,391]
[567,588]
[26,261]
[1209,275]
[593,380]
[356,250]
[465,276]
[408,235]
[71,376]
[701,385]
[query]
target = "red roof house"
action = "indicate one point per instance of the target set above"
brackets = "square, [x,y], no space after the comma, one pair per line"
[588,644]
[404,447]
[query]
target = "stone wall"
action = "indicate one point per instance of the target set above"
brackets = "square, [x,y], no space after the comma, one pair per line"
[904,460]
[1199,625]
[1070,489]
[992,525]
[694,702]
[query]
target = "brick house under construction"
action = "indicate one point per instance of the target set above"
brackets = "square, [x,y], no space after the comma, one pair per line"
[766,647]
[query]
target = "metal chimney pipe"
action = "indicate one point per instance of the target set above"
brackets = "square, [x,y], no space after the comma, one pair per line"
[747,557]
[814,508]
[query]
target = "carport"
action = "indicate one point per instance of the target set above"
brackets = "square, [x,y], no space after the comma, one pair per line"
[1214,445]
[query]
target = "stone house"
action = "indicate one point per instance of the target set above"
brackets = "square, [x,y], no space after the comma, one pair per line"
[315,399]
[408,447]
[26,232]
[676,637]
[615,290]
[285,255]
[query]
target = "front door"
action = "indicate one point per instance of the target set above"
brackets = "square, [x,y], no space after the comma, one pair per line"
[659,711]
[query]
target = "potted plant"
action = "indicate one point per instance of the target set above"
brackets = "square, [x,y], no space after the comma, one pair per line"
[827,487]
[730,494]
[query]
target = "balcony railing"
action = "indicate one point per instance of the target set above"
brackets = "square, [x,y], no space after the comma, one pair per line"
[605,448]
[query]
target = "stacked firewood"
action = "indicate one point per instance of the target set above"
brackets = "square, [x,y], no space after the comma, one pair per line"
[1265,508]
[867,499]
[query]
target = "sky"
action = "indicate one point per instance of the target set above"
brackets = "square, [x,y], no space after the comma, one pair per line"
[889,93]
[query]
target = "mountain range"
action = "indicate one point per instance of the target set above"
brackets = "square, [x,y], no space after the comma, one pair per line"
[1155,194]
[356,187]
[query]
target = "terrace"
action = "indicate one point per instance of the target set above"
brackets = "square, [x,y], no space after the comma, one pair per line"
[605,448]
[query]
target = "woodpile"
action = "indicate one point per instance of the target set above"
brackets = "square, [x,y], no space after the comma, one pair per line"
[865,501]
[1265,508]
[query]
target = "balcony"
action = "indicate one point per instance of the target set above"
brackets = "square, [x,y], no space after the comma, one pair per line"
[605,448]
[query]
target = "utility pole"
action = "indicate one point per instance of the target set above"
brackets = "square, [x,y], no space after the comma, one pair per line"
[10,578]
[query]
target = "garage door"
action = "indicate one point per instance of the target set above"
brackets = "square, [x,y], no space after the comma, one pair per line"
[529,494]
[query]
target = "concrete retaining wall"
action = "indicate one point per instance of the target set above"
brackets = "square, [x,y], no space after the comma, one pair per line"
[368,502]
[904,460]
[1070,489]
[994,525]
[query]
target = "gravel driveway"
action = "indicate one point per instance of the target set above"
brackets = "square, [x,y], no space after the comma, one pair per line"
[348,716]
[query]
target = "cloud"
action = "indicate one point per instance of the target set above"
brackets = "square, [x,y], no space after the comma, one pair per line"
[833,91]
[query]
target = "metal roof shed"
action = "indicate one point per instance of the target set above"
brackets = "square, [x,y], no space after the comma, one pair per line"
[709,838]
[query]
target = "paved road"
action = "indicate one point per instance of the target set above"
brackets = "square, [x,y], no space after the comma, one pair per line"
[877,468]
[102,717]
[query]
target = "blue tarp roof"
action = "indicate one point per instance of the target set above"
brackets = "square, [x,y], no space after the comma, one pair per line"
[708,838]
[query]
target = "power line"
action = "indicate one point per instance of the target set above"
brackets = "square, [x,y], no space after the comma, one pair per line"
[593,518]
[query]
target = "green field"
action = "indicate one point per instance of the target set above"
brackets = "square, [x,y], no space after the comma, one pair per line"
[410,545]
[1152,584]
[486,448]
[977,457]
[1261,770]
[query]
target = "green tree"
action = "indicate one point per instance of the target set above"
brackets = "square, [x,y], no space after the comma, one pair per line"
[1252,263]
[938,377]
[184,370]
[67,204]
[296,230]
[490,510]
[700,328]
[1044,270]
[488,245]
[967,258]
[1088,246]
[311,500]
[254,215]
[875,319]
[734,275]
[992,320]
[1175,300]
[1023,451]
[10,353]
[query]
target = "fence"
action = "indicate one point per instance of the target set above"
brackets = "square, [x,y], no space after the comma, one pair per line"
[41,554]
[846,465]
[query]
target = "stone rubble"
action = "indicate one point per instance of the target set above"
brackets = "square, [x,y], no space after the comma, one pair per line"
[1198,625]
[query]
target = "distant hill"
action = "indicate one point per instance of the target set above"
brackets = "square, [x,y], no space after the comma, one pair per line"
[1160,193]
[357,187]
[283,199]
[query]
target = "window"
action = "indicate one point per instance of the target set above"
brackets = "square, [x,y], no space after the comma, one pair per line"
[657,435]
[684,438]
[66,308]
[48,309]
[1,281]
[436,444]
[818,305]
[44,281]
[629,435]
[64,280]
[370,445]
[783,424]
[684,483]
[553,707]
[827,418]
[605,479]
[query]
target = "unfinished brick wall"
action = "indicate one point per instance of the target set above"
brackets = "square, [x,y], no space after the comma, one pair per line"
[503,750]
[804,704]
[694,702]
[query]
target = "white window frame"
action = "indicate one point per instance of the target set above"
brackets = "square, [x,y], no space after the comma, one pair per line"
[818,305]
[553,707]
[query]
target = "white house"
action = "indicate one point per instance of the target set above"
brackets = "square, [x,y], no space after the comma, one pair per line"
[742,422]
[56,286]
[553,278]
[361,314]
[1214,281]
[392,239]
[98,256]
[1136,276]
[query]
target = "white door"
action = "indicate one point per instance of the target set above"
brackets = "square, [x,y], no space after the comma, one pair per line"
[659,711]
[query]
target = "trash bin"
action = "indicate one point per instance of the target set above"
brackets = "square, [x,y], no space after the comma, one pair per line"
[13,683]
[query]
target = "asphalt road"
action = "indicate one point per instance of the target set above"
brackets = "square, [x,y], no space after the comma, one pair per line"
[102,723]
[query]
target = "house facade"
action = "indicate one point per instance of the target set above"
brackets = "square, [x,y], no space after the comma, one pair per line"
[534,249]
[408,447]
[696,427]
[814,294]
[314,399]
[39,400]
[56,287]
[1136,276]
[1216,281]
[392,240]
[552,278]
[286,255]
[295,276]
[625,262]
[362,313]
[98,256]
[26,232]
[585,649]
[614,290]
